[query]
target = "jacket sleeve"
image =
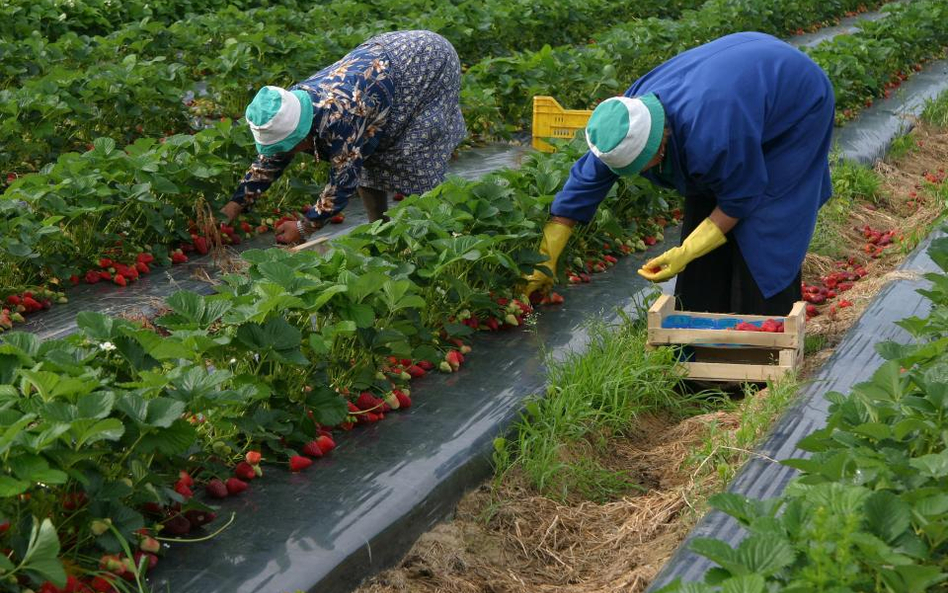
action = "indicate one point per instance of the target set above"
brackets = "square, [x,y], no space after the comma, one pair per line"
[588,185]
[261,175]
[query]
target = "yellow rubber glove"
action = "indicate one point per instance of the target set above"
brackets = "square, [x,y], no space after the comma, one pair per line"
[555,236]
[704,239]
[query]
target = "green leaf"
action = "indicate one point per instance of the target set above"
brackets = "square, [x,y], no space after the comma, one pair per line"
[88,431]
[95,405]
[913,578]
[163,411]
[95,326]
[11,487]
[751,583]
[42,554]
[874,430]
[764,555]
[174,440]
[934,465]
[886,515]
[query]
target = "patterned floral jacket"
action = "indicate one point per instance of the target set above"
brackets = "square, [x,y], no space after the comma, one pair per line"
[351,104]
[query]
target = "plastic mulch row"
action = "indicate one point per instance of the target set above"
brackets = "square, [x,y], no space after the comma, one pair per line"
[852,361]
[358,510]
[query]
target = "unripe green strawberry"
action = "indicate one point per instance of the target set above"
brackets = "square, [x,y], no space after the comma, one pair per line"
[391,400]
[511,320]
[444,367]
[100,526]
[149,544]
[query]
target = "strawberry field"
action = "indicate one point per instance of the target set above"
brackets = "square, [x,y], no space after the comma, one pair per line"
[118,143]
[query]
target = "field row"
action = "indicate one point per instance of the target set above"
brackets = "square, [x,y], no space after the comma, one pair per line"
[61,97]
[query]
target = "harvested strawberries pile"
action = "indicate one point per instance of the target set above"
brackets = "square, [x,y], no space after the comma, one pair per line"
[773,326]
[832,285]
[877,241]
[30,301]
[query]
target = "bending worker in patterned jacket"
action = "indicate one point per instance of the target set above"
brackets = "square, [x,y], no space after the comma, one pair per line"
[741,127]
[386,118]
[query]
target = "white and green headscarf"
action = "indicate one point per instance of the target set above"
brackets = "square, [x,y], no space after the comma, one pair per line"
[279,119]
[625,133]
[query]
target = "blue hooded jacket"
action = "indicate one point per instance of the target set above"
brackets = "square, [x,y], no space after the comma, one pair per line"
[751,122]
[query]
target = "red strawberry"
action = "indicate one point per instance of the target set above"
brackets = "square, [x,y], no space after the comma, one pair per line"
[102,584]
[454,358]
[235,486]
[325,444]
[14,300]
[367,401]
[415,371]
[216,489]
[145,258]
[338,219]
[105,263]
[845,303]
[198,518]
[299,463]
[177,525]
[185,478]
[312,449]
[426,365]
[92,277]
[245,227]
[74,500]
[398,197]
[150,563]
[200,245]
[403,400]
[244,471]
[253,457]
[142,268]
[492,324]
[183,489]
[120,280]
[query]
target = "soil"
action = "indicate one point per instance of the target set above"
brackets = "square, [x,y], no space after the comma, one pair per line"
[511,540]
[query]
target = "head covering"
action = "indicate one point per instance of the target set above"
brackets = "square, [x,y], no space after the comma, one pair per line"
[279,119]
[625,133]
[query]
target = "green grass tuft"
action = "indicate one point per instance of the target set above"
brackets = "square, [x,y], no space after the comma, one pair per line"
[936,111]
[592,397]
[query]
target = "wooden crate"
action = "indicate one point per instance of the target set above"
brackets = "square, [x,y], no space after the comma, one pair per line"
[732,355]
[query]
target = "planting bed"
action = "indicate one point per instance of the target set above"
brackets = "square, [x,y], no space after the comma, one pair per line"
[388,483]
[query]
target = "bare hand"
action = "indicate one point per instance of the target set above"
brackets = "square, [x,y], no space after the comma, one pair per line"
[288,233]
[231,210]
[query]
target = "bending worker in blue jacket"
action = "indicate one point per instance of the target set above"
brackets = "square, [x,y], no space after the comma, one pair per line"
[741,127]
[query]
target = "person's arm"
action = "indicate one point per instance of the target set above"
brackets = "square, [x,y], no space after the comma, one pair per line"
[350,143]
[262,173]
[588,185]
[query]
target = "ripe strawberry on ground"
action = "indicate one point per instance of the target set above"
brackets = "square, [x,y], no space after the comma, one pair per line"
[216,489]
[120,280]
[403,400]
[426,365]
[325,444]
[298,463]
[415,371]
[312,449]
[177,525]
[198,518]
[235,486]
[367,402]
[244,471]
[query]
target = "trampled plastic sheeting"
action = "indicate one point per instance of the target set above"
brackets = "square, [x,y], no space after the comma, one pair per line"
[853,361]
[358,510]
[869,137]
[141,298]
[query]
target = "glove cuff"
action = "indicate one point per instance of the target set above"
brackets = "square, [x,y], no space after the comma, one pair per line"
[704,239]
[555,236]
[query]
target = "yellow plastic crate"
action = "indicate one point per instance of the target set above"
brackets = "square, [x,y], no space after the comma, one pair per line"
[550,120]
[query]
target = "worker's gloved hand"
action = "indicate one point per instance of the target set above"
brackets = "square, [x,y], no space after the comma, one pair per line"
[704,239]
[555,236]
[231,210]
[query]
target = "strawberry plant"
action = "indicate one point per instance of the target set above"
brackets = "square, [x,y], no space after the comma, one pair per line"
[869,511]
